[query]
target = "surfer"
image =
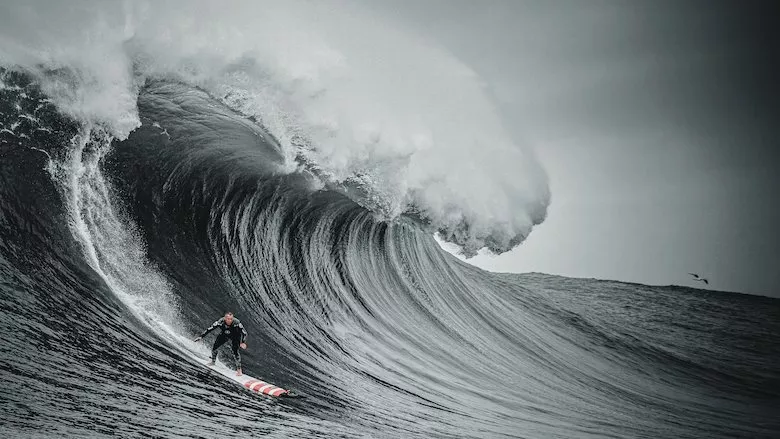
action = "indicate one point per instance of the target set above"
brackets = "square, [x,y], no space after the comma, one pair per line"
[231,329]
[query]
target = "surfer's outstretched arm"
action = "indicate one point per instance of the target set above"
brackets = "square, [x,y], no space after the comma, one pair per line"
[213,326]
[243,333]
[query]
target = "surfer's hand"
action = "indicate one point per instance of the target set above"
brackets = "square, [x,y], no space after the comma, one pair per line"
[243,345]
[198,339]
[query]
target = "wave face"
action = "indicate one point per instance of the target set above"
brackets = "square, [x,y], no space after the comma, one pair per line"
[129,224]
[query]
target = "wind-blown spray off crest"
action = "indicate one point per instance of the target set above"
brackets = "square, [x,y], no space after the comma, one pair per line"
[363,104]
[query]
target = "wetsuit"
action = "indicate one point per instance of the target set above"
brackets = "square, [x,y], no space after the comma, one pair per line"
[235,333]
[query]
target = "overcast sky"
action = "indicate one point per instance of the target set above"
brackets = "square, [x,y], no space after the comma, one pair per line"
[656,122]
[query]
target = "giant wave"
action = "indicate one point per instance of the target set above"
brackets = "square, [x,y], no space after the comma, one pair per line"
[153,176]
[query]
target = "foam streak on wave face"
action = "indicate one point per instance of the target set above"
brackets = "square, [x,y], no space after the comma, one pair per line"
[364,103]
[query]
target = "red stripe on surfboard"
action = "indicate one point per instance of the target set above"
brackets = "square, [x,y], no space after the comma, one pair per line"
[259,386]
[277,392]
[274,391]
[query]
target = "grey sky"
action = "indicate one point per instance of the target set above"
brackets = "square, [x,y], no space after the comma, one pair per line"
[654,120]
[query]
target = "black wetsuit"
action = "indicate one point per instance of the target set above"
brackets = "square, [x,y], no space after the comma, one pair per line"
[235,333]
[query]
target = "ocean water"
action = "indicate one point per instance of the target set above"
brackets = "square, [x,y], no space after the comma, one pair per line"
[147,188]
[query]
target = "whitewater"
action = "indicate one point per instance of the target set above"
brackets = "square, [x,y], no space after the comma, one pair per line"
[165,162]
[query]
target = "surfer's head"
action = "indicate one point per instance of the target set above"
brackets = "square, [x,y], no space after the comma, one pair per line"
[229,318]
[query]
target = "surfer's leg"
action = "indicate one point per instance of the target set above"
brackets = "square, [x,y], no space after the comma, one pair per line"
[217,343]
[236,353]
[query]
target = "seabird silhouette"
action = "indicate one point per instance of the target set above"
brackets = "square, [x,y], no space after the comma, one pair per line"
[698,278]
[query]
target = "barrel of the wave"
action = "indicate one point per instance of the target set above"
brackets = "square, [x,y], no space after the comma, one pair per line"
[259,386]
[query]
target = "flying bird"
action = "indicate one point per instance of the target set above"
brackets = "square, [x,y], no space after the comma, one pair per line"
[698,278]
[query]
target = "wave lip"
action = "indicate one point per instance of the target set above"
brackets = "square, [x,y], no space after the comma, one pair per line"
[389,111]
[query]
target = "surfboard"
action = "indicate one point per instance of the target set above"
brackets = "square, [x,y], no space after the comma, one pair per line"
[251,383]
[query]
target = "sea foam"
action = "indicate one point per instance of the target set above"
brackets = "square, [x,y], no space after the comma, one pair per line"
[363,102]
